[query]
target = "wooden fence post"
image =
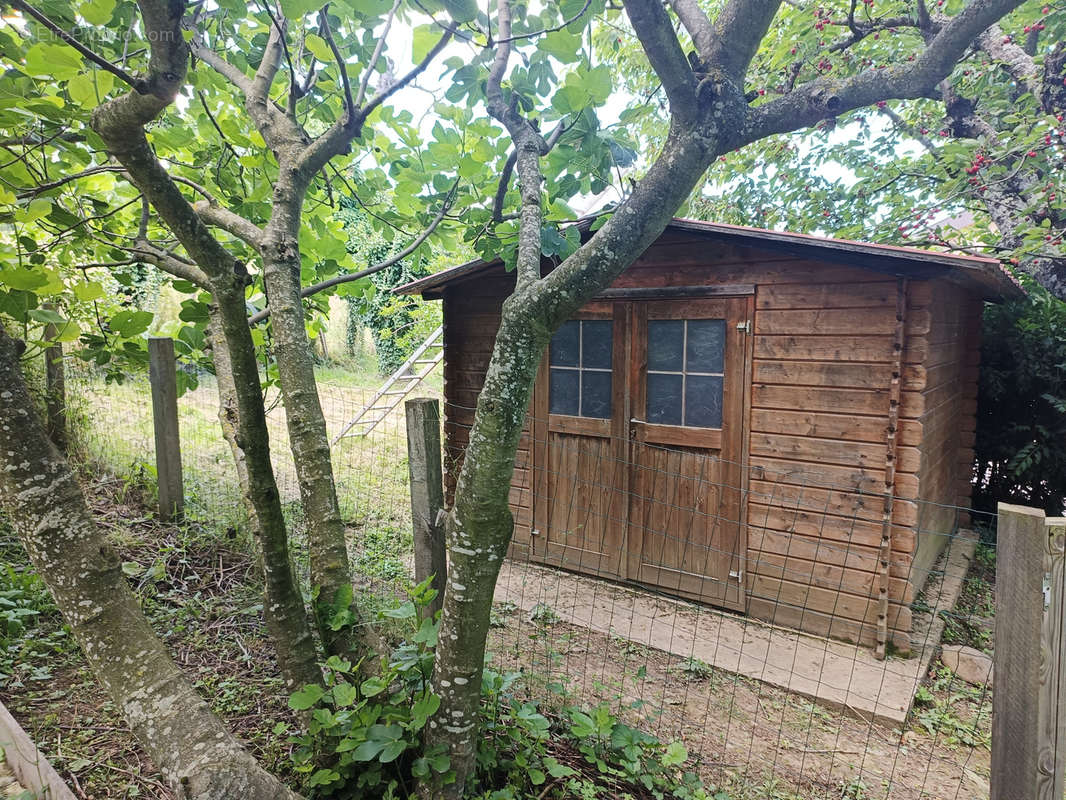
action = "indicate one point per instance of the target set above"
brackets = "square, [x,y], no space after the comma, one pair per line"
[161,374]
[427,493]
[1020,546]
[1052,756]
[55,400]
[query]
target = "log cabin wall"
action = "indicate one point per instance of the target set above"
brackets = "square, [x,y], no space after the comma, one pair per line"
[823,362]
[817,417]
[946,415]
[471,319]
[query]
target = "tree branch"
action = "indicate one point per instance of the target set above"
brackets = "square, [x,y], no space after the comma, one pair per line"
[340,134]
[146,251]
[277,128]
[138,84]
[231,222]
[418,69]
[738,30]
[532,34]
[120,123]
[652,26]
[368,71]
[828,97]
[342,68]
[697,23]
[259,93]
[41,188]
[220,65]
[529,146]
[337,280]
[1015,60]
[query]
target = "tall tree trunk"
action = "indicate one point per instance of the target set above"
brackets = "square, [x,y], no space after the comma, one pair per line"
[308,438]
[479,526]
[197,756]
[243,419]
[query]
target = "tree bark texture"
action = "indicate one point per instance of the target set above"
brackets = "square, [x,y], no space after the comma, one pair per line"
[243,419]
[196,754]
[120,123]
[308,438]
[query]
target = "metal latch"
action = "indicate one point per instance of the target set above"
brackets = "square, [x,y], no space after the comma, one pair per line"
[737,573]
[745,326]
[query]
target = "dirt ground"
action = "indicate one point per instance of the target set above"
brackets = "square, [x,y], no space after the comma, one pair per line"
[754,741]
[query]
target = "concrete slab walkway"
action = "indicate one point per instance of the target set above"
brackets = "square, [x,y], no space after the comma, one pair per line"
[833,673]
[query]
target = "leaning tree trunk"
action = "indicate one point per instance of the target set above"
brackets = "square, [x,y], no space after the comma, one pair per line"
[308,438]
[197,756]
[479,526]
[243,420]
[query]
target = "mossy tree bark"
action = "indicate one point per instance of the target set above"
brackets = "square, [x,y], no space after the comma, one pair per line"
[299,159]
[197,756]
[120,123]
[243,420]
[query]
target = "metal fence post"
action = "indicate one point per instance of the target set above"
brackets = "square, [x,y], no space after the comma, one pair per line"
[427,493]
[161,374]
[1020,545]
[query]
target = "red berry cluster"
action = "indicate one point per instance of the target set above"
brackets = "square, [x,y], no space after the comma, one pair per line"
[978,161]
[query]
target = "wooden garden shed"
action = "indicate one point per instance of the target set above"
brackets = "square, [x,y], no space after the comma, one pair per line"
[768,422]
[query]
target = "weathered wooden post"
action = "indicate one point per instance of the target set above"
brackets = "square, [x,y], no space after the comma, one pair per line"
[161,374]
[55,401]
[1052,757]
[1027,706]
[427,493]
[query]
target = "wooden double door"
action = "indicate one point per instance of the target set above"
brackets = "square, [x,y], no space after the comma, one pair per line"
[637,445]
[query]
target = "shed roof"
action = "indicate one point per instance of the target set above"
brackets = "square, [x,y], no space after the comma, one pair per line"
[986,276]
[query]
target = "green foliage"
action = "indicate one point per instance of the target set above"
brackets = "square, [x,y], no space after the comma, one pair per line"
[30,628]
[363,735]
[580,752]
[954,712]
[1021,404]
[895,172]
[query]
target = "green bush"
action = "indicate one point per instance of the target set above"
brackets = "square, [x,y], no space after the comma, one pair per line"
[363,736]
[31,628]
[1021,406]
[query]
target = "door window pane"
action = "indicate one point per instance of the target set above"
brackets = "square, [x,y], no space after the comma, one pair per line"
[686,362]
[564,392]
[666,345]
[664,398]
[580,361]
[595,394]
[596,343]
[566,347]
[703,401]
[705,345]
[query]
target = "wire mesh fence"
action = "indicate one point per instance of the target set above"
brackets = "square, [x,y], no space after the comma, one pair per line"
[732,607]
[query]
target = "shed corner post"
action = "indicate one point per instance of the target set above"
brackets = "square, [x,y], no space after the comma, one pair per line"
[427,494]
[1016,694]
[1052,756]
[163,379]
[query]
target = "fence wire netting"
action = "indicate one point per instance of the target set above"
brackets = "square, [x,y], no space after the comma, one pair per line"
[733,608]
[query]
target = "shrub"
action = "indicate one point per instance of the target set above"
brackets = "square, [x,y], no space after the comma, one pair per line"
[363,736]
[1021,406]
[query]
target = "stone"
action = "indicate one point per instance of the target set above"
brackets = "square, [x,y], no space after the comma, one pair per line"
[971,665]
